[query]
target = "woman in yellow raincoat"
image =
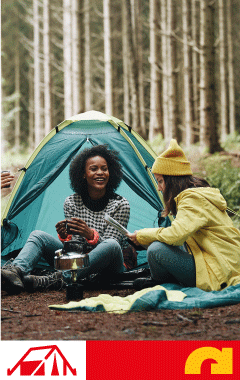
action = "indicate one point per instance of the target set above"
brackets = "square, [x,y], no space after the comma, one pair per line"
[202,247]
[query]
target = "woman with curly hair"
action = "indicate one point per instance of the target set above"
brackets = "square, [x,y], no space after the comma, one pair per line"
[201,247]
[95,175]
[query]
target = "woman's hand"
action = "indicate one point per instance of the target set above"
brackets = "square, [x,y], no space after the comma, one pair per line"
[61,229]
[133,237]
[77,226]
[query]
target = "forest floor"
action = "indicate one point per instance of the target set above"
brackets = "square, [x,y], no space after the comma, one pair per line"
[27,316]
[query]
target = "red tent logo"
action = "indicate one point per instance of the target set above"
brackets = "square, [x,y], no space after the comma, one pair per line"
[50,361]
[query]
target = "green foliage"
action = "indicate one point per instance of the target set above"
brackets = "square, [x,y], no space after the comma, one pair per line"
[221,174]
[232,143]
[158,144]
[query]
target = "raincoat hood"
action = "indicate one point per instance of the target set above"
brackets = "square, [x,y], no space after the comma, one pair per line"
[212,195]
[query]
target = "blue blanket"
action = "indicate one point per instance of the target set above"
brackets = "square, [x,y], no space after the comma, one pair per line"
[169,296]
[195,298]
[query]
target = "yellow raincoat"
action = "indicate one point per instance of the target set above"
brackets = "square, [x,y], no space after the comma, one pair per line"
[202,222]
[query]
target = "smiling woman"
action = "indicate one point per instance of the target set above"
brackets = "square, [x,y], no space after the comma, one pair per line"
[95,174]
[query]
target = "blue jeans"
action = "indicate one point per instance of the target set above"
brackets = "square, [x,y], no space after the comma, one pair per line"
[171,264]
[106,256]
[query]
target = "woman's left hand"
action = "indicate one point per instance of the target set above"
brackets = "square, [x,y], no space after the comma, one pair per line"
[77,226]
[133,237]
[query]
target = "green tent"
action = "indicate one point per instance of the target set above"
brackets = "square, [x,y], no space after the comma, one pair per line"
[36,202]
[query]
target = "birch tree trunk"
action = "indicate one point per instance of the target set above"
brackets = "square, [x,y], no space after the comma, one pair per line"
[195,60]
[17,100]
[87,65]
[107,58]
[232,121]
[31,109]
[155,123]
[166,131]
[171,70]
[37,95]
[67,59]
[187,74]
[76,58]
[208,127]
[46,65]
[222,63]
[126,94]
[134,71]
[139,50]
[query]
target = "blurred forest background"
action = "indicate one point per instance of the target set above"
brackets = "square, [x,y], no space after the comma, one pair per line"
[168,68]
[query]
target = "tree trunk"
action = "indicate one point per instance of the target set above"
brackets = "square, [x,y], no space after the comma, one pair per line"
[195,60]
[188,124]
[47,72]
[67,58]
[171,69]
[155,123]
[167,135]
[208,127]
[107,58]
[76,58]
[126,94]
[232,121]
[31,109]
[37,95]
[17,99]
[87,65]
[139,50]
[136,121]
[223,83]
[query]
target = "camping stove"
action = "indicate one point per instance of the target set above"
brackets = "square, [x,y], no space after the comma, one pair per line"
[65,259]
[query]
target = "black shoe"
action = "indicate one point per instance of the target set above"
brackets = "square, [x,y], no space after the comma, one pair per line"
[11,278]
[53,281]
[142,283]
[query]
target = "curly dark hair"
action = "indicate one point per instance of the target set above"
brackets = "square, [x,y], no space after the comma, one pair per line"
[78,164]
[174,185]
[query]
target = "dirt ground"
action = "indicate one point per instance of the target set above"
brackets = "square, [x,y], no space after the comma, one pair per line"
[27,317]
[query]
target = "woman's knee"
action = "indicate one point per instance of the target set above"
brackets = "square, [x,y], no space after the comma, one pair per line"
[112,243]
[156,248]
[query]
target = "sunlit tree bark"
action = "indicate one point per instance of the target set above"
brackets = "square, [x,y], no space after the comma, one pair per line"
[208,126]
[171,70]
[167,132]
[155,123]
[222,65]
[37,94]
[232,122]
[67,58]
[107,58]
[47,69]
[126,92]
[188,120]
[87,65]
[17,99]
[76,58]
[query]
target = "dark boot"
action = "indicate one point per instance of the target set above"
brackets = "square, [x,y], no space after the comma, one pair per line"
[53,281]
[11,278]
[142,283]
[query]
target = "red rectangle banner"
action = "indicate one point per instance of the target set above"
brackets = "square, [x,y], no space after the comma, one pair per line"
[150,360]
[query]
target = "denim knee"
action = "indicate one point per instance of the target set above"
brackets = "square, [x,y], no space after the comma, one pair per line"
[37,234]
[156,248]
[112,243]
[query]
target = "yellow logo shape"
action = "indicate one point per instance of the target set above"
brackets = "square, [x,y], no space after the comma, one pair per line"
[223,358]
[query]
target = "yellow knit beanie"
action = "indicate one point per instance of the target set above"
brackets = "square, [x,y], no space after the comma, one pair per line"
[172,162]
